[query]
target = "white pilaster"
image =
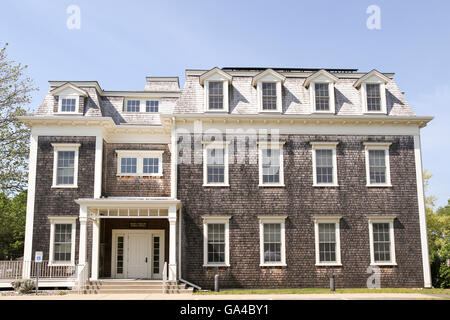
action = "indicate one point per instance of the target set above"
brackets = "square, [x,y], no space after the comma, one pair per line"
[28,247]
[172,243]
[98,166]
[174,161]
[83,235]
[422,213]
[95,248]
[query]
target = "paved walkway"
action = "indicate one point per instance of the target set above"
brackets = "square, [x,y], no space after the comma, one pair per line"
[335,296]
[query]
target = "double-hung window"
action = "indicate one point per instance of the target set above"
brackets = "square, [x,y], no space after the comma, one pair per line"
[382,245]
[272,241]
[215,164]
[322,97]
[215,95]
[139,162]
[324,163]
[62,240]
[373,97]
[269,96]
[65,165]
[327,240]
[133,106]
[271,164]
[68,104]
[377,164]
[216,241]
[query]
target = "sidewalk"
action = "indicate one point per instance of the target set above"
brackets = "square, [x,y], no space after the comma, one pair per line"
[336,296]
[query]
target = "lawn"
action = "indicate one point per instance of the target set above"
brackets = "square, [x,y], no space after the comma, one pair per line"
[325,290]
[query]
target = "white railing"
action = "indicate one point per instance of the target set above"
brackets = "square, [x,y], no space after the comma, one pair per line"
[164,278]
[11,269]
[83,277]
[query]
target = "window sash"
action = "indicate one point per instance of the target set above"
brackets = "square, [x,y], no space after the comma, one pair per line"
[322,96]
[269,96]
[128,165]
[215,167]
[65,172]
[62,242]
[151,165]
[216,243]
[381,242]
[373,97]
[271,166]
[377,166]
[152,106]
[133,105]
[272,242]
[68,104]
[215,95]
[327,242]
[324,166]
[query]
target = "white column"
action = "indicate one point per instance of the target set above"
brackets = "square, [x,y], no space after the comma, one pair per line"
[83,235]
[422,213]
[95,248]
[28,247]
[174,161]
[172,243]
[98,166]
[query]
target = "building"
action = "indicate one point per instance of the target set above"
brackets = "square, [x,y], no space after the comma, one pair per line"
[268,177]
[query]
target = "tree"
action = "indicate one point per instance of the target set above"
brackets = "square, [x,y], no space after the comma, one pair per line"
[12,225]
[438,224]
[15,89]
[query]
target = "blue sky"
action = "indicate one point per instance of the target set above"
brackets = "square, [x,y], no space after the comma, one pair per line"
[119,43]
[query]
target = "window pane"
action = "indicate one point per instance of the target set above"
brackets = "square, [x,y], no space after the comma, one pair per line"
[322,97]
[133,105]
[156,254]
[215,95]
[151,165]
[327,242]
[216,242]
[68,105]
[65,167]
[119,265]
[62,243]
[152,106]
[272,242]
[128,165]
[269,95]
[271,165]
[324,166]
[215,165]
[377,166]
[373,97]
[381,242]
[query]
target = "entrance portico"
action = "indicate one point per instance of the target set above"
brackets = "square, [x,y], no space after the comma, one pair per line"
[137,229]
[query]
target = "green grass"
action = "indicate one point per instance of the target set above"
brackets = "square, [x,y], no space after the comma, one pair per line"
[324,290]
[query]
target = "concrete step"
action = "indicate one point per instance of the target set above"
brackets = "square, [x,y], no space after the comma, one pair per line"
[134,287]
[132,282]
[140,287]
[136,291]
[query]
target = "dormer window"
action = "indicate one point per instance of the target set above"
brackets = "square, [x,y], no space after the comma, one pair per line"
[269,90]
[133,106]
[68,98]
[373,92]
[215,83]
[215,95]
[141,106]
[321,88]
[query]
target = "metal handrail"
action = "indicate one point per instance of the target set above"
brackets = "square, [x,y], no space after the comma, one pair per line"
[164,278]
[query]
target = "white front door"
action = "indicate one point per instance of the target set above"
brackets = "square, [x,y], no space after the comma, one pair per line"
[137,254]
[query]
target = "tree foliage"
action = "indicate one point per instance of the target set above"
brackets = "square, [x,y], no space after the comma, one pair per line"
[12,225]
[438,224]
[15,89]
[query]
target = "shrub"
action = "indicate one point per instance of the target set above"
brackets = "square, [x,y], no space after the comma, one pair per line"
[24,285]
[444,275]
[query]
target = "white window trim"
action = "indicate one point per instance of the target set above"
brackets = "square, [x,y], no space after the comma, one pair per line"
[378,146]
[62,220]
[382,97]
[272,219]
[336,221]
[69,96]
[142,106]
[216,220]
[215,145]
[272,145]
[324,146]
[216,78]
[331,101]
[390,221]
[140,155]
[65,147]
[260,95]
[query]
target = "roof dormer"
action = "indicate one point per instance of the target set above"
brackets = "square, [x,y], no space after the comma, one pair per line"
[268,87]
[373,92]
[215,83]
[68,98]
[321,91]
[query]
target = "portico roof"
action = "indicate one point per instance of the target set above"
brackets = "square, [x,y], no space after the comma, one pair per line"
[130,202]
